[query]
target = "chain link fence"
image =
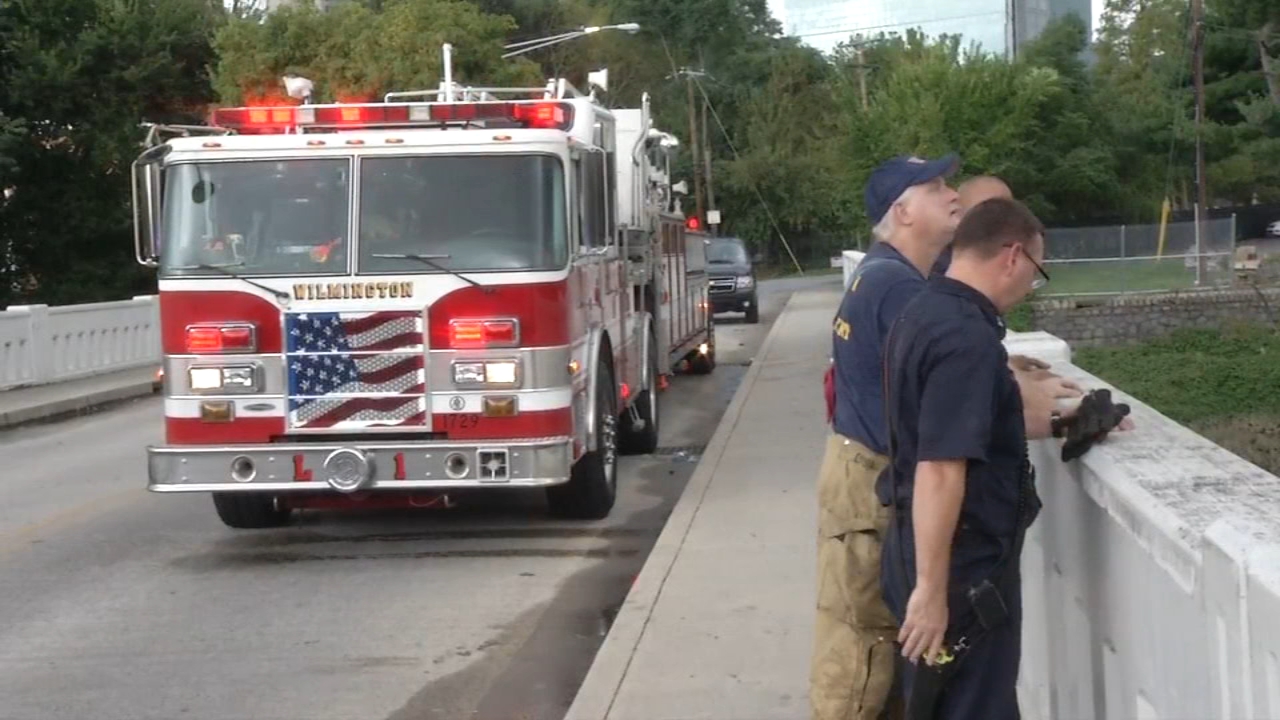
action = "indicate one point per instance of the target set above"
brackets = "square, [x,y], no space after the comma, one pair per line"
[1126,259]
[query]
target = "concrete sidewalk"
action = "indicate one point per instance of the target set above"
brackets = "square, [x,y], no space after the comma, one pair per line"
[75,397]
[719,623]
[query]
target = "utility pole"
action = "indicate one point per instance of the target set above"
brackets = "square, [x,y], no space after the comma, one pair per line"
[862,77]
[694,149]
[706,154]
[1202,202]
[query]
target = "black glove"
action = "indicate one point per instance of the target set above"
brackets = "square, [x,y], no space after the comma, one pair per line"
[1096,417]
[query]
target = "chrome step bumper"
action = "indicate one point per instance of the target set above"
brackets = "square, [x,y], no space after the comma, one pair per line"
[359,467]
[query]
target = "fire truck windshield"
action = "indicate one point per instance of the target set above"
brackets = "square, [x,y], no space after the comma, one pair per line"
[256,217]
[477,212]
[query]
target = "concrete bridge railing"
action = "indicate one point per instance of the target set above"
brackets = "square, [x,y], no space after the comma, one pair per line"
[1152,576]
[41,344]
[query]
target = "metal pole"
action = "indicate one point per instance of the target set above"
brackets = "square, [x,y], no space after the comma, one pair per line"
[706,155]
[448,72]
[1202,202]
[1124,274]
[1198,258]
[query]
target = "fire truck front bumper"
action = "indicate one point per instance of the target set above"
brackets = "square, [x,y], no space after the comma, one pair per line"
[359,467]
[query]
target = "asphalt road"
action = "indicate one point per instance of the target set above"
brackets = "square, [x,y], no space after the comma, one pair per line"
[120,604]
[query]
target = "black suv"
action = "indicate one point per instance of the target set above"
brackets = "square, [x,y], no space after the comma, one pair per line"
[732,278]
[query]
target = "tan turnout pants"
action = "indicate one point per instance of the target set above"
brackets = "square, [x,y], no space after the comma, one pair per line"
[852,668]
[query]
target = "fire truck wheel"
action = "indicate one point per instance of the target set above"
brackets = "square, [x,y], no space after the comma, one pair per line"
[644,441]
[250,510]
[593,482]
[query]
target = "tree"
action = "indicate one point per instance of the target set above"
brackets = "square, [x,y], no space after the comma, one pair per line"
[1261,20]
[354,53]
[77,79]
[786,157]
[1144,75]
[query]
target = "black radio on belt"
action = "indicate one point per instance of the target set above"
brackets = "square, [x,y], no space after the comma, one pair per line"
[988,605]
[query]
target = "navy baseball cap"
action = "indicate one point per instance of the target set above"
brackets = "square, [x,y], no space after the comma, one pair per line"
[894,176]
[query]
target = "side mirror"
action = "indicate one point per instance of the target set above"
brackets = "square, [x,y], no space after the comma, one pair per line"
[147,176]
[757,258]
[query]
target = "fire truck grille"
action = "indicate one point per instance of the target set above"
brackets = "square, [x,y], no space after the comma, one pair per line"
[356,370]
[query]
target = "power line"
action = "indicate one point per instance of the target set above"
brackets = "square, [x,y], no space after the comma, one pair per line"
[889,26]
[736,154]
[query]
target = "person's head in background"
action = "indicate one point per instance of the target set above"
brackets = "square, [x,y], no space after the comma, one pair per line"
[973,191]
[998,250]
[981,188]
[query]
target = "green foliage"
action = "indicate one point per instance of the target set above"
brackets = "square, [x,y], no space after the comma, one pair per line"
[792,134]
[76,79]
[1196,375]
[1019,318]
[357,54]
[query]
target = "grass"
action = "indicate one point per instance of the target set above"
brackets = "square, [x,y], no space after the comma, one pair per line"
[1118,276]
[1193,375]
[1220,383]
[1112,278]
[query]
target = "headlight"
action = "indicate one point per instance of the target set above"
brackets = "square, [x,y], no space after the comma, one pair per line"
[499,372]
[745,281]
[236,379]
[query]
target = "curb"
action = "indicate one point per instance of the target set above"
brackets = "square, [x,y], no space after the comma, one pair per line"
[63,408]
[595,696]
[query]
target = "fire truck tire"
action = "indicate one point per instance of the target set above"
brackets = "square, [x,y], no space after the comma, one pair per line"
[644,441]
[593,481]
[247,511]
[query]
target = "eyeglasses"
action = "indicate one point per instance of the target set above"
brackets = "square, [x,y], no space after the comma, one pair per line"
[1044,276]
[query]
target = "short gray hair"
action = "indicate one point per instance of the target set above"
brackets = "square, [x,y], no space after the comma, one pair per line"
[884,230]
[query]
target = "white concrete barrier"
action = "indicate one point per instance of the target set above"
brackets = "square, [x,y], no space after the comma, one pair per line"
[41,344]
[851,259]
[1151,579]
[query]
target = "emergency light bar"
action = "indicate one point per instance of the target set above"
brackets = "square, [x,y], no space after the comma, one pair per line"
[267,120]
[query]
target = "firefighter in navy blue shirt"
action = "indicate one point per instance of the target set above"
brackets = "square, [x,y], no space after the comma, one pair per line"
[914,213]
[961,488]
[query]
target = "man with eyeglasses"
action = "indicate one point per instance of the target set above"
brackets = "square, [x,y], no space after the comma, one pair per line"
[959,482]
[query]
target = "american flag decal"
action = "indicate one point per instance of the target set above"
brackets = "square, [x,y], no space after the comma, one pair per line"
[356,369]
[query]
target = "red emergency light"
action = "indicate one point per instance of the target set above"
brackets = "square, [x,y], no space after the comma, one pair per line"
[693,223]
[546,115]
[483,333]
[229,338]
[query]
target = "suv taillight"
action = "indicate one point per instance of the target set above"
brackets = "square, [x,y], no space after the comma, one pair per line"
[229,338]
[483,333]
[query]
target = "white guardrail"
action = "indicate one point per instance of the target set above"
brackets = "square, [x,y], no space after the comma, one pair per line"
[1151,579]
[850,258]
[40,344]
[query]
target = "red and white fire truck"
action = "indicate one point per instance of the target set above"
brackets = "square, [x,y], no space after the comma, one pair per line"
[379,304]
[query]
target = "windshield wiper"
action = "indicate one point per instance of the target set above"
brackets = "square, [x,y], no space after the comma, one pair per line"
[280,294]
[429,261]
